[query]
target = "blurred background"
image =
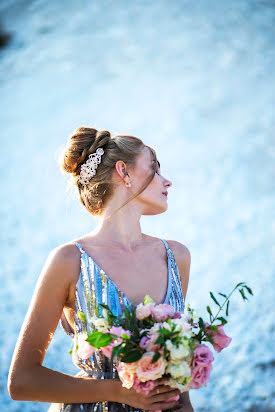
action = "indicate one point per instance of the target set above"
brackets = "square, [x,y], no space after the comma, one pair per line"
[193,79]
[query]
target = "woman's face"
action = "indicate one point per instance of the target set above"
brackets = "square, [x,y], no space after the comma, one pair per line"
[153,199]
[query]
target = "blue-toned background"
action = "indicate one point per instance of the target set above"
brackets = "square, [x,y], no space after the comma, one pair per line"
[193,79]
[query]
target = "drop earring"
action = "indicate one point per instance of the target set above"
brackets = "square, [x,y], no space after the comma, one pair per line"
[128,184]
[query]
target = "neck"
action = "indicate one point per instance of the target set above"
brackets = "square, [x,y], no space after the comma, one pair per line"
[122,230]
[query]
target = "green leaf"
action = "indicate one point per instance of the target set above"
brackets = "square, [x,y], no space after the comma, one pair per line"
[116,351]
[81,316]
[215,300]
[227,306]
[243,294]
[210,313]
[156,357]
[222,294]
[160,340]
[201,323]
[164,331]
[132,356]
[224,321]
[240,284]
[124,336]
[105,306]
[147,299]
[99,339]
[249,290]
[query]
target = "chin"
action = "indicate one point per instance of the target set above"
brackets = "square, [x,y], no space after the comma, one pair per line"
[155,210]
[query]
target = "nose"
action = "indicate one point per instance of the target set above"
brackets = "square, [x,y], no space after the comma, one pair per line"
[168,183]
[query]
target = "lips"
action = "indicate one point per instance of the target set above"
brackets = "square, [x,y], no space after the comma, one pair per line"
[165,193]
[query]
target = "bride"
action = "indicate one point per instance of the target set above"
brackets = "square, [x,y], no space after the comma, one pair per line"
[118,180]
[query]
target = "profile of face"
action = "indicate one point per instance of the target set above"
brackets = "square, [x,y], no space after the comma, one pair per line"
[153,199]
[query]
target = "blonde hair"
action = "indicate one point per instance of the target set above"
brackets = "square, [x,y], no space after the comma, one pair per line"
[85,140]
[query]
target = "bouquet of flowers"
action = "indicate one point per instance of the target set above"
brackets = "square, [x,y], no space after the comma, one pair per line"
[151,341]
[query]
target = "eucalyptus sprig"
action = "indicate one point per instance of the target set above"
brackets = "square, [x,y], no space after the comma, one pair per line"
[242,288]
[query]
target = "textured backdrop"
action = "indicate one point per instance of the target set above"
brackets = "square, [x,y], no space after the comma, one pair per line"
[194,80]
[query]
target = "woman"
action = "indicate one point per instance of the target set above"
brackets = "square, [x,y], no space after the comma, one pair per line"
[118,180]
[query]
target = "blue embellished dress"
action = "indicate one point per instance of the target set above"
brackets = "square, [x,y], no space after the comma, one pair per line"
[93,287]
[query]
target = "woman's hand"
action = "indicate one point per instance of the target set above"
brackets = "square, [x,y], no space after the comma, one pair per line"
[184,403]
[156,399]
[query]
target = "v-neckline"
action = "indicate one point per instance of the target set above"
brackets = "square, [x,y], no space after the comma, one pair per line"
[83,251]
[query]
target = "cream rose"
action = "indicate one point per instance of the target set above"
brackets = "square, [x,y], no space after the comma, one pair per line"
[85,350]
[100,324]
[179,371]
[147,370]
[177,352]
[127,377]
[143,311]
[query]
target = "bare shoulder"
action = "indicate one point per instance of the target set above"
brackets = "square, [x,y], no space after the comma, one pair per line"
[65,259]
[183,260]
[180,251]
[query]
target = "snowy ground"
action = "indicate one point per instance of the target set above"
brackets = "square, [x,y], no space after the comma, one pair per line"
[192,79]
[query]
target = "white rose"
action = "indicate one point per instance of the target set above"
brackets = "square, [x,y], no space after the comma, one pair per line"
[100,323]
[175,384]
[179,371]
[195,316]
[177,352]
[180,352]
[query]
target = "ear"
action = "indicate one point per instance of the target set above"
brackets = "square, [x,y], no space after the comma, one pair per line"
[121,168]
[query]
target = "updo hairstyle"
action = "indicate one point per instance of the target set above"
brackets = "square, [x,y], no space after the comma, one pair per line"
[85,140]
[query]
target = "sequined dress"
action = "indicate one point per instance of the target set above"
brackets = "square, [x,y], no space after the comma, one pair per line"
[94,286]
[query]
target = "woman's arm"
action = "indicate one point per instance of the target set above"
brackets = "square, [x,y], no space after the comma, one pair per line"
[183,260]
[28,379]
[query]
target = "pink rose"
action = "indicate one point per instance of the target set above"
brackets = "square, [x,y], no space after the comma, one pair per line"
[107,350]
[144,387]
[201,366]
[146,370]
[221,340]
[143,311]
[202,356]
[200,375]
[151,346]
[162,312]
[85,350]
[144,341]
[118,330]
[177,315]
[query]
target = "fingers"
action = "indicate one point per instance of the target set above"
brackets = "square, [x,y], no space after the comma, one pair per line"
[163,405]
[164,396]
[160,389]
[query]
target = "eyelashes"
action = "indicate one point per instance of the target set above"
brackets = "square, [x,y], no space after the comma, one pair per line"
[158,173]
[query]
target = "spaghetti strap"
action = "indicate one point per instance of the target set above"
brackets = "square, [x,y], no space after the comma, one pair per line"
[166,244]
[79,247]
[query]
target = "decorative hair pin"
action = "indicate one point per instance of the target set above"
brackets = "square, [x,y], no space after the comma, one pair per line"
[88,169]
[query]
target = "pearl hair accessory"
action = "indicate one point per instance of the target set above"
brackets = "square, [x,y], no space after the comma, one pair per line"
[88,169]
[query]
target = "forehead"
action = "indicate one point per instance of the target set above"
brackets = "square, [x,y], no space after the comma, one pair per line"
[148,155]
